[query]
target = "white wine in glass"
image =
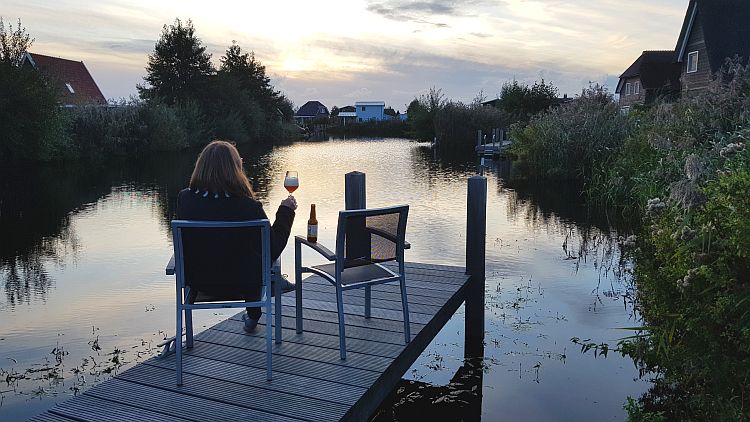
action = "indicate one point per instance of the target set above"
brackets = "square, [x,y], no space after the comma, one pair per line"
[291,181]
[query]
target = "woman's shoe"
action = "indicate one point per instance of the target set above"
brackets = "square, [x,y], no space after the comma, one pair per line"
[250,323]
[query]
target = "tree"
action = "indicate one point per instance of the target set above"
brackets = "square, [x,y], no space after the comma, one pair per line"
[31,127]
[249,71]
[179,65]
[13,44]
[522,101]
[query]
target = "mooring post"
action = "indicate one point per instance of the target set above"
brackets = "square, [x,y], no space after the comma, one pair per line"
[479,138]
[355,188]
[476,234]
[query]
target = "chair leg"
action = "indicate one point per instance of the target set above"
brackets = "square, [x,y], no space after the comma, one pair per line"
[368,301]
[178,338]
[188,323]
[342,332]
[269,347]
[298,285]
[277,311]
[405,305]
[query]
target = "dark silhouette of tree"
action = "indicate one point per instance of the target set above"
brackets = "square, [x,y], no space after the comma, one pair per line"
[179,66]
[521,101]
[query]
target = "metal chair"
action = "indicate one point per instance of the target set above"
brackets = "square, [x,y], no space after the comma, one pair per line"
[364,240]
[251,262]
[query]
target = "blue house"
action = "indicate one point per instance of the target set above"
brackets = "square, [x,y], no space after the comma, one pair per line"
[370,110]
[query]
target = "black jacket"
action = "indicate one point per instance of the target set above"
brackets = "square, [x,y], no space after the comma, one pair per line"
[217,260]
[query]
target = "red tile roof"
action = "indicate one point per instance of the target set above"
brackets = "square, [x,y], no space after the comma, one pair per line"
[66,76]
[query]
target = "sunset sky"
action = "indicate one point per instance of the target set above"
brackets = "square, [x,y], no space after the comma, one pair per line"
[344,51]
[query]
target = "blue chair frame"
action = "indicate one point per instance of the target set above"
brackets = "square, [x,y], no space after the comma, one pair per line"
[338,259]
[183,291]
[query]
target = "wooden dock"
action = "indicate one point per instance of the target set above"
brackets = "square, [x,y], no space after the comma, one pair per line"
[225,377]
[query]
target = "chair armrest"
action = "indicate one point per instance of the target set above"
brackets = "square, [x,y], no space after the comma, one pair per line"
[170,266]
[388,236]
[316,247]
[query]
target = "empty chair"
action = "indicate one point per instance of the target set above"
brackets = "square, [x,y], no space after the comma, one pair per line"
[365,239]
[223,277]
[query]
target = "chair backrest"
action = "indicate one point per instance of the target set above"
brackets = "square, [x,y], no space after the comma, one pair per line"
[223,258]
[371,235]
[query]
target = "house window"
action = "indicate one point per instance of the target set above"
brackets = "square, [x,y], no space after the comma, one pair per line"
[363,108]
[637,88]
[70,88]
[628,88]
[625,110]
[692,64]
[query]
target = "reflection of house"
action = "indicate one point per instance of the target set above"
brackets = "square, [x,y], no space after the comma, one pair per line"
[310,111]
[713,30]
[369,110]
[347,114]
[651,76]
[71,80]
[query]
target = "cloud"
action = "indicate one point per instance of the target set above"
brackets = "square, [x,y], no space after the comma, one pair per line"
[415,11]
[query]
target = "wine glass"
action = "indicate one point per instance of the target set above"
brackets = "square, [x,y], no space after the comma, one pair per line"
[291,181]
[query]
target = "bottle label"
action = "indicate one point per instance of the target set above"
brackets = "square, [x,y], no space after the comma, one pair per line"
[312,230]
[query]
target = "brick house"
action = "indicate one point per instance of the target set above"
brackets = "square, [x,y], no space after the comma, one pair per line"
[653,75]
[71,80]
[712,32]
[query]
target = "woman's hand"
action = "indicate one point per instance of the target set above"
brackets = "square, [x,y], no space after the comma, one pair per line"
[289,202]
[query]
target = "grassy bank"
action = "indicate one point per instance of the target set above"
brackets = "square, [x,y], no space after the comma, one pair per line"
[682,171]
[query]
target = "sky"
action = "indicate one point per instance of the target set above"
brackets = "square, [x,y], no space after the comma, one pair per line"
[339,52]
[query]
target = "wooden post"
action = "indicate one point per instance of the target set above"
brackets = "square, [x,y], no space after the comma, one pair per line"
[476,234]
[355,188]
[479,138]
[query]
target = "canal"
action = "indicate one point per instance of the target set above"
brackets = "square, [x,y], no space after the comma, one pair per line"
[83,293]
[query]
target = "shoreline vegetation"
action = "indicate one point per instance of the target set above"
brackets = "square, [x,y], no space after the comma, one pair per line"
[680,172]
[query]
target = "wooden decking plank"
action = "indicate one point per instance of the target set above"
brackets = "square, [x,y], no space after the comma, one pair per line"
[255,396]
[49,417]
[329,340]
[355,310]
[290,365]
[392,295]
[89,408]
[352,320]
[359,300]
[421,285]
[290,383]
[319,354]
[175,404]
[352,331]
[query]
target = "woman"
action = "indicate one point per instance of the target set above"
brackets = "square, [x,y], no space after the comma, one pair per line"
[220,191]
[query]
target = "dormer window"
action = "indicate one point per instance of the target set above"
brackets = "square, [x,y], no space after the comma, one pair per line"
[70,87]
[692,62]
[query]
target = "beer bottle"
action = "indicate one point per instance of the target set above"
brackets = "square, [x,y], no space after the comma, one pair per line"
[312,226]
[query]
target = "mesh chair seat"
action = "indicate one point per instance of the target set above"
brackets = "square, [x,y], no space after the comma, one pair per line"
[357,273]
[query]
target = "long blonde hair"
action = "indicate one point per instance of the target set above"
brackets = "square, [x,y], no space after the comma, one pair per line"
[219,170]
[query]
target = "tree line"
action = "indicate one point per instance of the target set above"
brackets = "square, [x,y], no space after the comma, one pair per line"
[185,101]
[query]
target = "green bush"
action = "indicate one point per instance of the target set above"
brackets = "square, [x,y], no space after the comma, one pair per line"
[573,141]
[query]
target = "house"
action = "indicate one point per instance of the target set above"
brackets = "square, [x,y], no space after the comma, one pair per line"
[713,30]
[71,80]
[390,114]
[347,114]
[653,75]
[492,103]
[369,110]
[310,111]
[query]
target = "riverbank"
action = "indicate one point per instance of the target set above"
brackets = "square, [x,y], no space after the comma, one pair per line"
[680,172]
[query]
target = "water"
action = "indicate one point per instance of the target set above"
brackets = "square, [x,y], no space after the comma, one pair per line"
[84,295]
